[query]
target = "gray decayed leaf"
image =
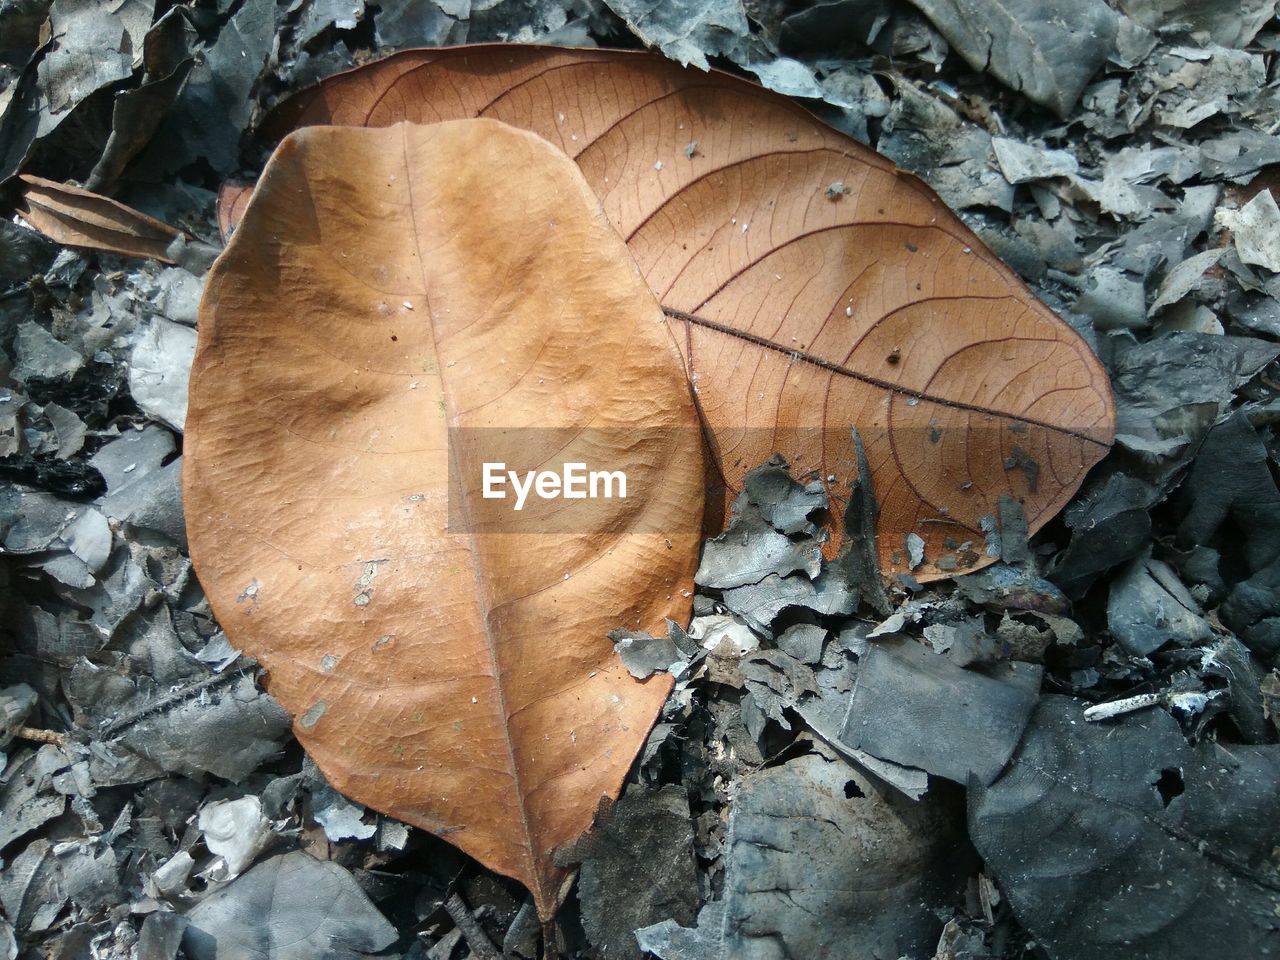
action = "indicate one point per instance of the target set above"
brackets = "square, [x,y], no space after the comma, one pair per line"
[825,714]
[1109,524]
[751,549]
[221,725]
[93,45]
[1170,390]
[216,103]
[1231,482]
[1255,231]
[685,30]
[1048,50]
[1115,841]
[291,907]
[637,869]
[1148,606]
[159,367]
[27,798]
[161,936]
[1232,23]
[916,708]
[822,861]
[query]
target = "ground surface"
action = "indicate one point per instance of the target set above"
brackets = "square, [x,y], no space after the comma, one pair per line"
[827,780]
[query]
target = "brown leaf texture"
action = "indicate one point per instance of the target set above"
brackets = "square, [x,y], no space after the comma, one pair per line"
[391,293]
[79,218]
[812,286]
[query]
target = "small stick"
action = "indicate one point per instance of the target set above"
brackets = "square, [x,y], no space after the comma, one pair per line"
[1116,708]
[482,947]
[36,735]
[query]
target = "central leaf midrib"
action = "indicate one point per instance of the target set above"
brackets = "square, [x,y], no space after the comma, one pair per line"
[887,385]
[484,601]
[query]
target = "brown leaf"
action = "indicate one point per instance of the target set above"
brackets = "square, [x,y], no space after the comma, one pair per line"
[811,286]
[389,295]
[232,199]
[79,218]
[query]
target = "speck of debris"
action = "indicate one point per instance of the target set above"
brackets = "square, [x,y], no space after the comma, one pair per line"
[914,248]
[313,715]
[657,165]
[836,190]
[328,662]
[691,148]
[1019,459]
[249,593]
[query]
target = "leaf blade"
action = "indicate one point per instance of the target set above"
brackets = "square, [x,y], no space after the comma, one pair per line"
[420,297]
[724,192]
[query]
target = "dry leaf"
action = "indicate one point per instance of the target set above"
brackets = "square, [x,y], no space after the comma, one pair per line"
[79,218]
[388,295]
[232,199]
[812,286]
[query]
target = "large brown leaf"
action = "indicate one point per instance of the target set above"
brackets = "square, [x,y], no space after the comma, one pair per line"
[388,295]
[811,286]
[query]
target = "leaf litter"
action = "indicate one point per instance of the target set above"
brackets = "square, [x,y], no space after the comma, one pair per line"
[1123,173]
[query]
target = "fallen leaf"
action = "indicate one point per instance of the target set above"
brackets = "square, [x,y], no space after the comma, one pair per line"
[883,861]
[290,907]
[1047,50]
[392,295]
[916,708]
[1114,839]
[800,312]
[79,218]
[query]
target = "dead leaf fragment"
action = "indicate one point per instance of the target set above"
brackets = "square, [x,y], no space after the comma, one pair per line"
[79,218]
[389,295]
[797,317]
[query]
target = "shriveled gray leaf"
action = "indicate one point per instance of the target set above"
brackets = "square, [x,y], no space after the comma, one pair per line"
[222,725]
[759,603]
[1148,607]
[821,861]
[1255,230]
[1121,841]
[644,655]
[1024,162]
[27,797]
[216,103]
[637,868]
[1109,524]
[133,455]
[1183,278]
[152,502]
[803,641]
[41,356]
[1170,390]
[687,31]
[1232,23]
[917,708]
[1047,49]
[291,907]
[159,368]
[1231,482]
[750,550]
